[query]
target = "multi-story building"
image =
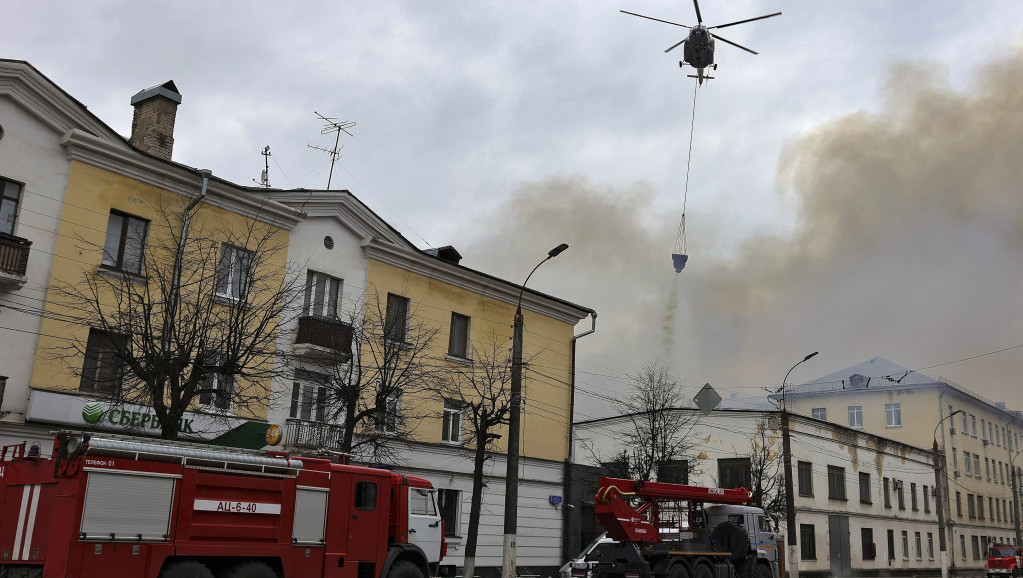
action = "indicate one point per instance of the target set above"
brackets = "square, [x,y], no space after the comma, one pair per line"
[979,439]
[864,503]
[92,200]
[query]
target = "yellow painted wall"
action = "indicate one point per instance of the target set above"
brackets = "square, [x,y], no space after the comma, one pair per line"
[91,194]
[547,347]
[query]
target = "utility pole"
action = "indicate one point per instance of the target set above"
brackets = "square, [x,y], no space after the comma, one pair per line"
[792,560]
[938,461]
[1015,502]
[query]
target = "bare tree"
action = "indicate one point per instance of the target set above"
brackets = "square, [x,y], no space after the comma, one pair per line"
[655,432]
[765,467]
[179,315]
[482,391]
[389,361]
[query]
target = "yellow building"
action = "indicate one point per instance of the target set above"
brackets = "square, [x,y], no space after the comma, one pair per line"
[979,439]
[123,209]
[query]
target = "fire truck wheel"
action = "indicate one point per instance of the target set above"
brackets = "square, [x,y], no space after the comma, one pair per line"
[763,571]
[405,569]
[186,569]
[252,570]
[680,571]
[703,570]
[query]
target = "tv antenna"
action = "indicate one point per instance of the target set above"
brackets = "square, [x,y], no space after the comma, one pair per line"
[333,126]
[264,178]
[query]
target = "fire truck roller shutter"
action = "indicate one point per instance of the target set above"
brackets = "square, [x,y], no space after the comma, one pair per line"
[127,505]
[310,515]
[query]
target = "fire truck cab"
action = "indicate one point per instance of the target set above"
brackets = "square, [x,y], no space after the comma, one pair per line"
[169,510]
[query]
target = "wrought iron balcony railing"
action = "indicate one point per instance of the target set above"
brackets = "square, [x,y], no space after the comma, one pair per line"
[302,433]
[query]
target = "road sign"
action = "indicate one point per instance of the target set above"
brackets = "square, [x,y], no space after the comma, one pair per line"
[707,399]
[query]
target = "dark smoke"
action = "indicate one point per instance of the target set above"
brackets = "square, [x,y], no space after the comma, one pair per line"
[908,244]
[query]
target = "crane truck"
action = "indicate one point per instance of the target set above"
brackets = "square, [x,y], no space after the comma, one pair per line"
[662,530]
[129,507]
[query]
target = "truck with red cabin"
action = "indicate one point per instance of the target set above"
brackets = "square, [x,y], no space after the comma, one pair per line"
[662,530]
[148,509]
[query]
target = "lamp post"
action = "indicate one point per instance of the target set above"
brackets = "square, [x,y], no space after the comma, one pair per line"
[1015,498]
[511,478]
[790,500]
[939,467]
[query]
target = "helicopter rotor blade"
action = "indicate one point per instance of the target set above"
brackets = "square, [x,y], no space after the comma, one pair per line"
[652,18]
[734,44]
[674,46]
[699,17]
[743,21]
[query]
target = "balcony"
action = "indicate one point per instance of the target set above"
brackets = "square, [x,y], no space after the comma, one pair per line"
[326,338]
[301,433]
[13,261]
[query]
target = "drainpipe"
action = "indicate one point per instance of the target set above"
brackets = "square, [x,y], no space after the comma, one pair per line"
[172,307]
[570,513]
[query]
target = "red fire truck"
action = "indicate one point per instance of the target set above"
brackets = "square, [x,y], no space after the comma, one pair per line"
[661,530]
[128,507]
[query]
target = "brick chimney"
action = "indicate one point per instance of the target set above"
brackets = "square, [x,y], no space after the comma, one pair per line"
[152,128]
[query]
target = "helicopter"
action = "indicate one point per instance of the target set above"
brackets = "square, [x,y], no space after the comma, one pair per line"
[698,51]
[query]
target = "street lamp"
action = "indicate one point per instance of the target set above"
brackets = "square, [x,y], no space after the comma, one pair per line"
[790,500]
[1015,498]
[938,463]
[511,478]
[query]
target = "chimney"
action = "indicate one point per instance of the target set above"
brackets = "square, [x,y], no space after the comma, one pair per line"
[152,128]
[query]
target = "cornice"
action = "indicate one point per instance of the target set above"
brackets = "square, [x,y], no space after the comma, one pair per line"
[341,206]
[175,178]
[44,100]
[416,262]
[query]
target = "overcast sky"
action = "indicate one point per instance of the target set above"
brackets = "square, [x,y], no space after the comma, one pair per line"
[854,187]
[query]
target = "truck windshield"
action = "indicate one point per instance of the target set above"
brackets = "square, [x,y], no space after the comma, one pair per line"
[1000,552]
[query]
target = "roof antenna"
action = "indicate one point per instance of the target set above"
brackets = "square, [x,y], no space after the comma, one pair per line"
[264,178]
[336,127]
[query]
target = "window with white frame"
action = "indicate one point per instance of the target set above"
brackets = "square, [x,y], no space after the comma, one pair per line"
[973,425]
[125,242]
[309,396]
[322,293]
[820,413]
[452,426]
[10,198]
[856,416]
[218,388]
[976,465]
[102,369]
[389,412]
[234,273]
[893,414]
[967,464]
[458,341]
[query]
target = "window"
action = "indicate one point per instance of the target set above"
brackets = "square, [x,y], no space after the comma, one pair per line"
[820,413]
[996,508]
[102,370]
[867,543]
[864,488]
[976,465]
[126,239]
[309,396]
[983,429]
[10,197]
[805,471]
[919,549]
[959,504]
[365,496]
[396,324]
[421,502]
[234,272]
[900,494]
[887,494]
[836,483]
[891,544]
[912,497]
[449,500]
[458,342]
[673,471]
[452,427]
[971,506]
[962,544]
[905,544]
[927,501]
[807,542]
[973,425]
[893,414]
[975,542]
[856,416]
[955,460]
[967,461]
[966,430]
[322,293]
[218,388]
[390,408]
[735,473]
[930,546]
[987,469]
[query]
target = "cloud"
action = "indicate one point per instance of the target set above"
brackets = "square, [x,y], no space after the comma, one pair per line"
[906,244]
